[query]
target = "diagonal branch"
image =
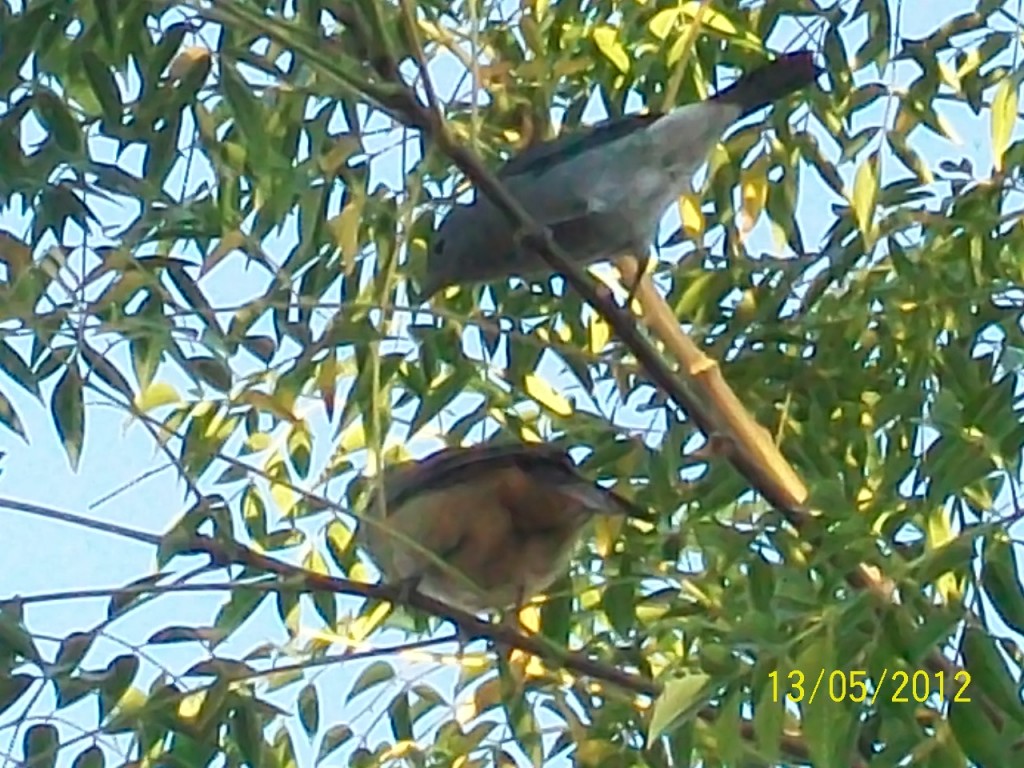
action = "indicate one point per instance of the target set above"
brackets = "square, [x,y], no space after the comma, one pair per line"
[753,453]
[471,627]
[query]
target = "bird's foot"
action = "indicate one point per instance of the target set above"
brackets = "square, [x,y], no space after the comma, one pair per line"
[406,588]
[530,240]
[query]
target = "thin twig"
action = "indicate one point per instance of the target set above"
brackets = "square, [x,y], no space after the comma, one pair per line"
[472,627]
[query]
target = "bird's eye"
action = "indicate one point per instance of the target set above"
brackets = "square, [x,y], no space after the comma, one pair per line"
[438,245]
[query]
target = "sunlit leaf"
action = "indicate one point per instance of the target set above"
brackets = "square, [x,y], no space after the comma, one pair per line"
[1004,118]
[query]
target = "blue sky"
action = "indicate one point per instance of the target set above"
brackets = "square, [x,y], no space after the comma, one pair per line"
[112,485]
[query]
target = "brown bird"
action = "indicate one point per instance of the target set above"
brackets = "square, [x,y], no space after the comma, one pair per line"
[485,527]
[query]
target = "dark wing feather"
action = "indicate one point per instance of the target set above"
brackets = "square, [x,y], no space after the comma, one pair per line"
[449,466]
[452,466]
[540,156]
[769,83]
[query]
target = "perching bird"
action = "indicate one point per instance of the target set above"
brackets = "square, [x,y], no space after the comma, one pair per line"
[600,191]
[485,527]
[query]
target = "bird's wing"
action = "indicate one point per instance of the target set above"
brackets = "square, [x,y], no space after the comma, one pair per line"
[536,159]
[538,461]
[453,465]
[775,80]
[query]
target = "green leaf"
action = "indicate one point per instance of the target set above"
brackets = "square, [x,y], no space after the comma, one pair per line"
[1002,582]
[334,737]
[106,370]
[73,649]
[12,364]
[247,731]
[400,717]
[103,85]
[239,606]
[118,678]
[58,121]
[300,448]
[681,699]
[41,744]
[212,370]
[249,117]
[309,709]
[9,417]
[989,676]
[976,735]
[12,687]
[769,719]
[90,757]
[68,409]
[376,673]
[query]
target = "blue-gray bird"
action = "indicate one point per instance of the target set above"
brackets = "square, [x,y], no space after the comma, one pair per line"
[485,527]
[600,191]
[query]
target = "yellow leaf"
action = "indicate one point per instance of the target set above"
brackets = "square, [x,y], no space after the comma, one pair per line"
[1004,116]
[710,17]
[530,435]
[281,491]
[258,441]
[345,228]
[487,695]
[950,77]
[662,22]
[156,394]
[543,393]
[598,334]
[972,60]
[677,698]
[754,190]
[938,529]
[607,41]
[691,215]
[529,617]
[190,705]
[400,749]
[261,401]
[342,148]
[939,534]
[865,193]
[314,561]
[358,572]
[353,438]
[606,533]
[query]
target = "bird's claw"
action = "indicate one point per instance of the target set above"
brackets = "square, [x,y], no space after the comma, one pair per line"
[406,588]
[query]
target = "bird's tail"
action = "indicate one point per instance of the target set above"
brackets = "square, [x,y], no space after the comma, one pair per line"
[787,74]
